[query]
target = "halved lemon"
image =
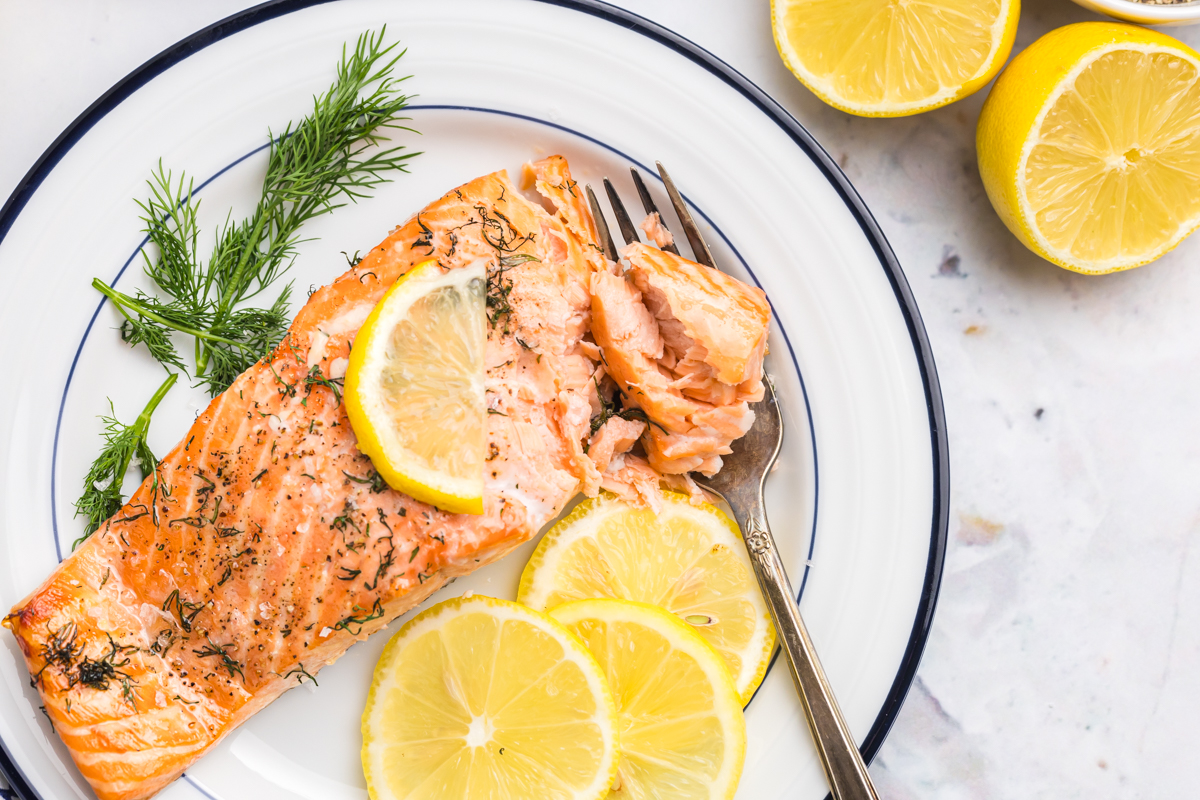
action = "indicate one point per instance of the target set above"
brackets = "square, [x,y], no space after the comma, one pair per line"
[682,735]
[478,698]
[688,559]
[1089,145]
[415,386]
[891,58]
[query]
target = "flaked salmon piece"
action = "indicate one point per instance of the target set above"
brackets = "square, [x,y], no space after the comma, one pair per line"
[655,231]
[552,178]
[265,544]
[715,325]
[614,437]
[631,347]
[685,343]
[631,478]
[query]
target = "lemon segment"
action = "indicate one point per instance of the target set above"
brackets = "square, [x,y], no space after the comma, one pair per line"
[682,733]
[1089,146]
[415,386]
[690,560]
[478,698]
[888,58]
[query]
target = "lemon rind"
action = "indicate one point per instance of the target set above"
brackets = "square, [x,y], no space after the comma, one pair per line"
[1064,258]
[432,618]
[1003,34]
[572,527]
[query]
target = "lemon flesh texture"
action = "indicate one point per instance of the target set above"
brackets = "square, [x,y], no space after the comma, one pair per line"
[415,386]
[1089,146]
[894,57]
[483,698]
[682,733]
[689,560]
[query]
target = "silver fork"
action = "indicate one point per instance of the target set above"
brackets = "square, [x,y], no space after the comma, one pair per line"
[740,483]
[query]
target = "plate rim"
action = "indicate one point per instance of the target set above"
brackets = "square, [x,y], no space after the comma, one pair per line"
[919,633]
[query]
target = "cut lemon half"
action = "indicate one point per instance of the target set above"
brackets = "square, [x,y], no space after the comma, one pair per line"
[688,559]
[1089,146]
[478,698]
[682,735]
[890,58]
[415,386]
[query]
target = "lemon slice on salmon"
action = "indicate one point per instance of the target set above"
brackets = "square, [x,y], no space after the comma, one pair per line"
[478,698]
[682,732]
[688,559]
[415,386]
[1089,145]
[890,58]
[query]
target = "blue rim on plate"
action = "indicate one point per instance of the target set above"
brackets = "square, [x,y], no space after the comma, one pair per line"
[933,398]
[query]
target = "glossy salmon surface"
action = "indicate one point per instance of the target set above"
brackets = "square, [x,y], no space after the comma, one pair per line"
[265,543]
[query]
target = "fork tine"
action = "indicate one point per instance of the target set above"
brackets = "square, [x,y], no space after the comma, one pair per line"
[648,204]
[699,248]
[628,232]
[606,241]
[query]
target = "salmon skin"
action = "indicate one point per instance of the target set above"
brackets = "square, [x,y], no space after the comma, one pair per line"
[265,544]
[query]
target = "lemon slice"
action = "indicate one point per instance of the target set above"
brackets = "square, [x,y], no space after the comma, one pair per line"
[1089,146]
[683,735]
[688,559]
[890,58]
[415,386]
[478,698]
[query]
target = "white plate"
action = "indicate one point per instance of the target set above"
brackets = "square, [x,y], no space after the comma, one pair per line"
[499,82]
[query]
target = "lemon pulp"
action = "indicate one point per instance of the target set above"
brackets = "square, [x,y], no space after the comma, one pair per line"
[415,386]
[479,698]
[688,559]
[1089,145]
[1113,169]
[682,733]
[894,57]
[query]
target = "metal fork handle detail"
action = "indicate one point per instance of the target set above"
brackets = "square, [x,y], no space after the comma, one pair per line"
[843,764]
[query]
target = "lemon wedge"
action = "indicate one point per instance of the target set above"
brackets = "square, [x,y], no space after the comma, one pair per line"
[478,698]
[415,386]
[1089,145]
[690,560]
[890,58]
[682,733]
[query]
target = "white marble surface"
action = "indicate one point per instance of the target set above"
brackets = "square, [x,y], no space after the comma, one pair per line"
[1066,646]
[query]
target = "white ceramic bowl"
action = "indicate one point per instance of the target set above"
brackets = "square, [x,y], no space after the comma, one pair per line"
[1146,13]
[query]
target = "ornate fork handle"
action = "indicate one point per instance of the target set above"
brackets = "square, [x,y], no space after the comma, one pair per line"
[836,747]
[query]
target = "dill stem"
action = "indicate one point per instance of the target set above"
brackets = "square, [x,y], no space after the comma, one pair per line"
[123,301]
[142,423]
[230,287]
[143,420]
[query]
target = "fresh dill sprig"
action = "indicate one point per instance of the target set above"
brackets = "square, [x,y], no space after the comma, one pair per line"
[313,167]
[123,444]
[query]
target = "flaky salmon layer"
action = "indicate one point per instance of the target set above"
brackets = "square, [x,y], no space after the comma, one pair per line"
[265,544]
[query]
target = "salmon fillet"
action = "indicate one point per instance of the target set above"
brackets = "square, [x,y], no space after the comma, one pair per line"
[265,543]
